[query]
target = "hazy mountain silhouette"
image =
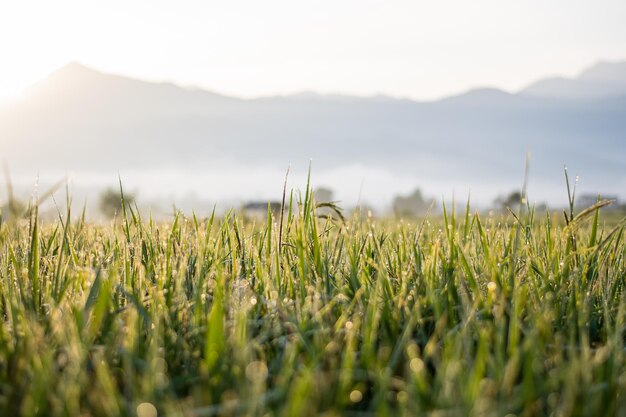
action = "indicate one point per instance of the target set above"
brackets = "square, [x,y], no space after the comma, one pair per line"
[605,79]
[81,119]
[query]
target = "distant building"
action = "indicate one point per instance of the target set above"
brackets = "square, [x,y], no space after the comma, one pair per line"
[323,195]
[258,209]
[588,200]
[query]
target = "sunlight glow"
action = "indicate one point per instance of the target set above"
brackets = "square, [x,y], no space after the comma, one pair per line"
[421,50]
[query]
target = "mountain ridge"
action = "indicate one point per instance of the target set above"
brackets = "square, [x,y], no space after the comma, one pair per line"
[85,120]
[601,78]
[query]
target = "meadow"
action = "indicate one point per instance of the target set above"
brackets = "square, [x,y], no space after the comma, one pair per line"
[305,314]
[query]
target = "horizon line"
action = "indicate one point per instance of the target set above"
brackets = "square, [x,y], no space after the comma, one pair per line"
[303,92]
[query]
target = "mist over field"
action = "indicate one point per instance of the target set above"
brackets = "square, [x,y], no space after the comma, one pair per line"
[191,146]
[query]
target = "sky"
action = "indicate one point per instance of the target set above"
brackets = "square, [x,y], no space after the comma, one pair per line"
[404,48]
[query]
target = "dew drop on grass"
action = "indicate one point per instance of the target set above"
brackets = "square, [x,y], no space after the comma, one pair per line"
[356,396]
[412,350]
[146,410]
[402,396]
[256,371]
[416,365]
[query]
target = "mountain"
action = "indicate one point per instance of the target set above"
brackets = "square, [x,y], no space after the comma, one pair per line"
[604,79]
[86,121]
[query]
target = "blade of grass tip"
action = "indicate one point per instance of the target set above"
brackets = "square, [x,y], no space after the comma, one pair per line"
[448,226]
[453,253]
[64,243]
[13,205]
[548,237]
[569,196]
[68,202]
[83,214]
[33,254]
[307,196]
[209,226]
[453,213]
[466,225]
[594,226]
[126,227]
[150,221]
[572,197]
[282,212]
[136,215]
[196,223]
[523,194]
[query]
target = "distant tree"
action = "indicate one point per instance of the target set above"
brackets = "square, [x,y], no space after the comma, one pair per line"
[412,205]
[111,201]
[512,201]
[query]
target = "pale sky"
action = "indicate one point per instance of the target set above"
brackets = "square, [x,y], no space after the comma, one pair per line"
[416,49]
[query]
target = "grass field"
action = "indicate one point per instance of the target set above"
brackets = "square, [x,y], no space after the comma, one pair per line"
[461,315]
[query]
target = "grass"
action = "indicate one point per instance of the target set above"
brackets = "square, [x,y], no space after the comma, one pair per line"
[523,314]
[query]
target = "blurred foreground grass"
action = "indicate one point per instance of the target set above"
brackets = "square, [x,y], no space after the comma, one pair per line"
[464,315]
